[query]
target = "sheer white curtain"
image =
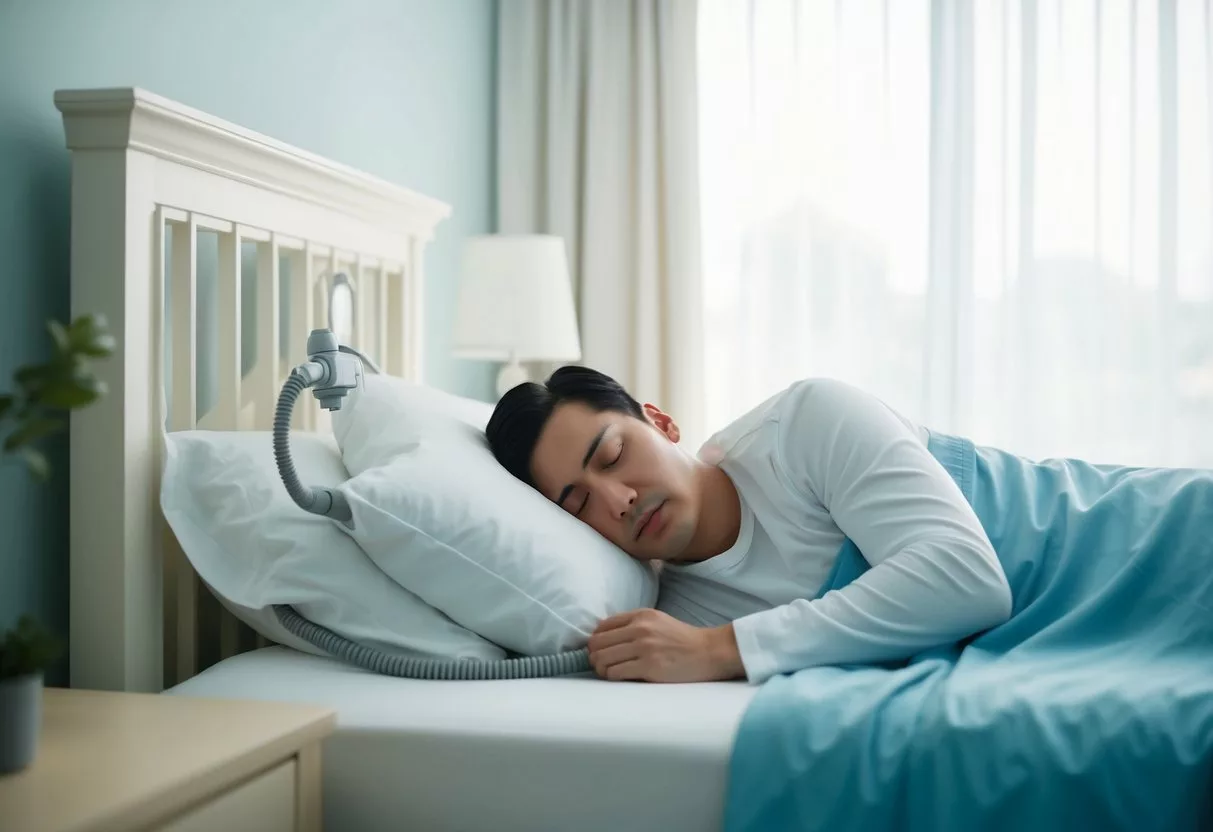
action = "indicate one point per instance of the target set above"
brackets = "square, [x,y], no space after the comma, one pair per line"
[997,216]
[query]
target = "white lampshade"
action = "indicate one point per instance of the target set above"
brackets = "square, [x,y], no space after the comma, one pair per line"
[516,300]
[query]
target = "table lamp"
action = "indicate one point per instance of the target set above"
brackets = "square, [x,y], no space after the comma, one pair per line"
[516,304]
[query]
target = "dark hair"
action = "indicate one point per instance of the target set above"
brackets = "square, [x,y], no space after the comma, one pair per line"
[518,419]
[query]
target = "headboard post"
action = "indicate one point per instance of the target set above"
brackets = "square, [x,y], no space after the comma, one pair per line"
[149,174]
[115,625]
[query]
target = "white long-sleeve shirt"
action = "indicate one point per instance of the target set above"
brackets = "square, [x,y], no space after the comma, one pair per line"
[814,465]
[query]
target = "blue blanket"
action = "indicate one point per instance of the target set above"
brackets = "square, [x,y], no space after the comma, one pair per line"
[1091,708]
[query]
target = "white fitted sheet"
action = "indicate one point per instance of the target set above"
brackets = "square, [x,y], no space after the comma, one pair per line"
[573,753]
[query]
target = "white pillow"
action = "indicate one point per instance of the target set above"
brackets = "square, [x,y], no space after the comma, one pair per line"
[249,542]
[436,511]
[394,414]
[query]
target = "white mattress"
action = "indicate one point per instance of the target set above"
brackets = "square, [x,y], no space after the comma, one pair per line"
[574,754]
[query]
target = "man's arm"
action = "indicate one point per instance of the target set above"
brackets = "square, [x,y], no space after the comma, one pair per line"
[935,577]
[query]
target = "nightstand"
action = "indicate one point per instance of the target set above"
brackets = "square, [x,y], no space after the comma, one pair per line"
[136,761]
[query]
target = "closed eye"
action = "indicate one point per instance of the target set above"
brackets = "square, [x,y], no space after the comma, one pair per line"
[614,461]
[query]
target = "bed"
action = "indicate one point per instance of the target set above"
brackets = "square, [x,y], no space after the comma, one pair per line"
[527,754]
[152,182]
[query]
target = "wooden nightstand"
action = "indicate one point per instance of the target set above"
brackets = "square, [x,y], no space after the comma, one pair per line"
[133,761]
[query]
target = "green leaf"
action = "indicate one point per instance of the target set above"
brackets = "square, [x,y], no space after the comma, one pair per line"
[27,648]
[97,346]
[34,429]
[88,335]
[6,404]
[62,339]
[36,461]
[33,376]
[72,393]
[88,322]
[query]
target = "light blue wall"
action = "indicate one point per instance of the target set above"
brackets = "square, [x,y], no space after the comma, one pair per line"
[402,89]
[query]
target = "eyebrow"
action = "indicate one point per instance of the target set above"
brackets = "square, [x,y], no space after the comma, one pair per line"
[584,462]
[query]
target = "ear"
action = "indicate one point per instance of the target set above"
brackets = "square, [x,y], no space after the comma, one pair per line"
[662,421]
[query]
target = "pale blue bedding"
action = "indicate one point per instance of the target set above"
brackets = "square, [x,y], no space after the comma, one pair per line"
[1091,708]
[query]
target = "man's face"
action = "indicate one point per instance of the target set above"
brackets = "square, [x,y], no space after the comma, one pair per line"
[623,476]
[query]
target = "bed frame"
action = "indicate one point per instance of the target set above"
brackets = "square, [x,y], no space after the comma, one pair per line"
[152,180]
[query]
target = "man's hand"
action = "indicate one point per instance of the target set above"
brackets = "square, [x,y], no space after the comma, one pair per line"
[648,645]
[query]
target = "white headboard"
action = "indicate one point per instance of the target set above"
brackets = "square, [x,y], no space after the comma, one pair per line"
[150,177]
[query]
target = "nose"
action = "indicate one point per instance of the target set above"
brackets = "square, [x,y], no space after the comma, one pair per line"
[619,499]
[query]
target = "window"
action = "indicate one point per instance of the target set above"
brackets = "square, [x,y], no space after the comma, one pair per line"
[996,216]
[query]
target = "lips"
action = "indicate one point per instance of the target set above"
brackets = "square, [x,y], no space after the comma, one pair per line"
[646,517]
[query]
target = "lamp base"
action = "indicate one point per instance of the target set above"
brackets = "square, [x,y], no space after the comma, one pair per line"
[510,376]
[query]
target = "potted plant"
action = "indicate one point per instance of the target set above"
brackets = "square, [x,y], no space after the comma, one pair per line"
[43,396]
[25,652]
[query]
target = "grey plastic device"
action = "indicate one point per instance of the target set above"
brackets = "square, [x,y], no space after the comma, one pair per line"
[331,371]
[330,374]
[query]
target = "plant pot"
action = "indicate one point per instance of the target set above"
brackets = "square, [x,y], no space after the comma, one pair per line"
[20,721]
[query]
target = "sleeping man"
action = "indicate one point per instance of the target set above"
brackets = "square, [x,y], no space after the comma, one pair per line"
[823,528]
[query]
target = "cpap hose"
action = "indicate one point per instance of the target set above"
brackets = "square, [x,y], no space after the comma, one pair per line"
[369,658]
[330,375]
[326,501]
